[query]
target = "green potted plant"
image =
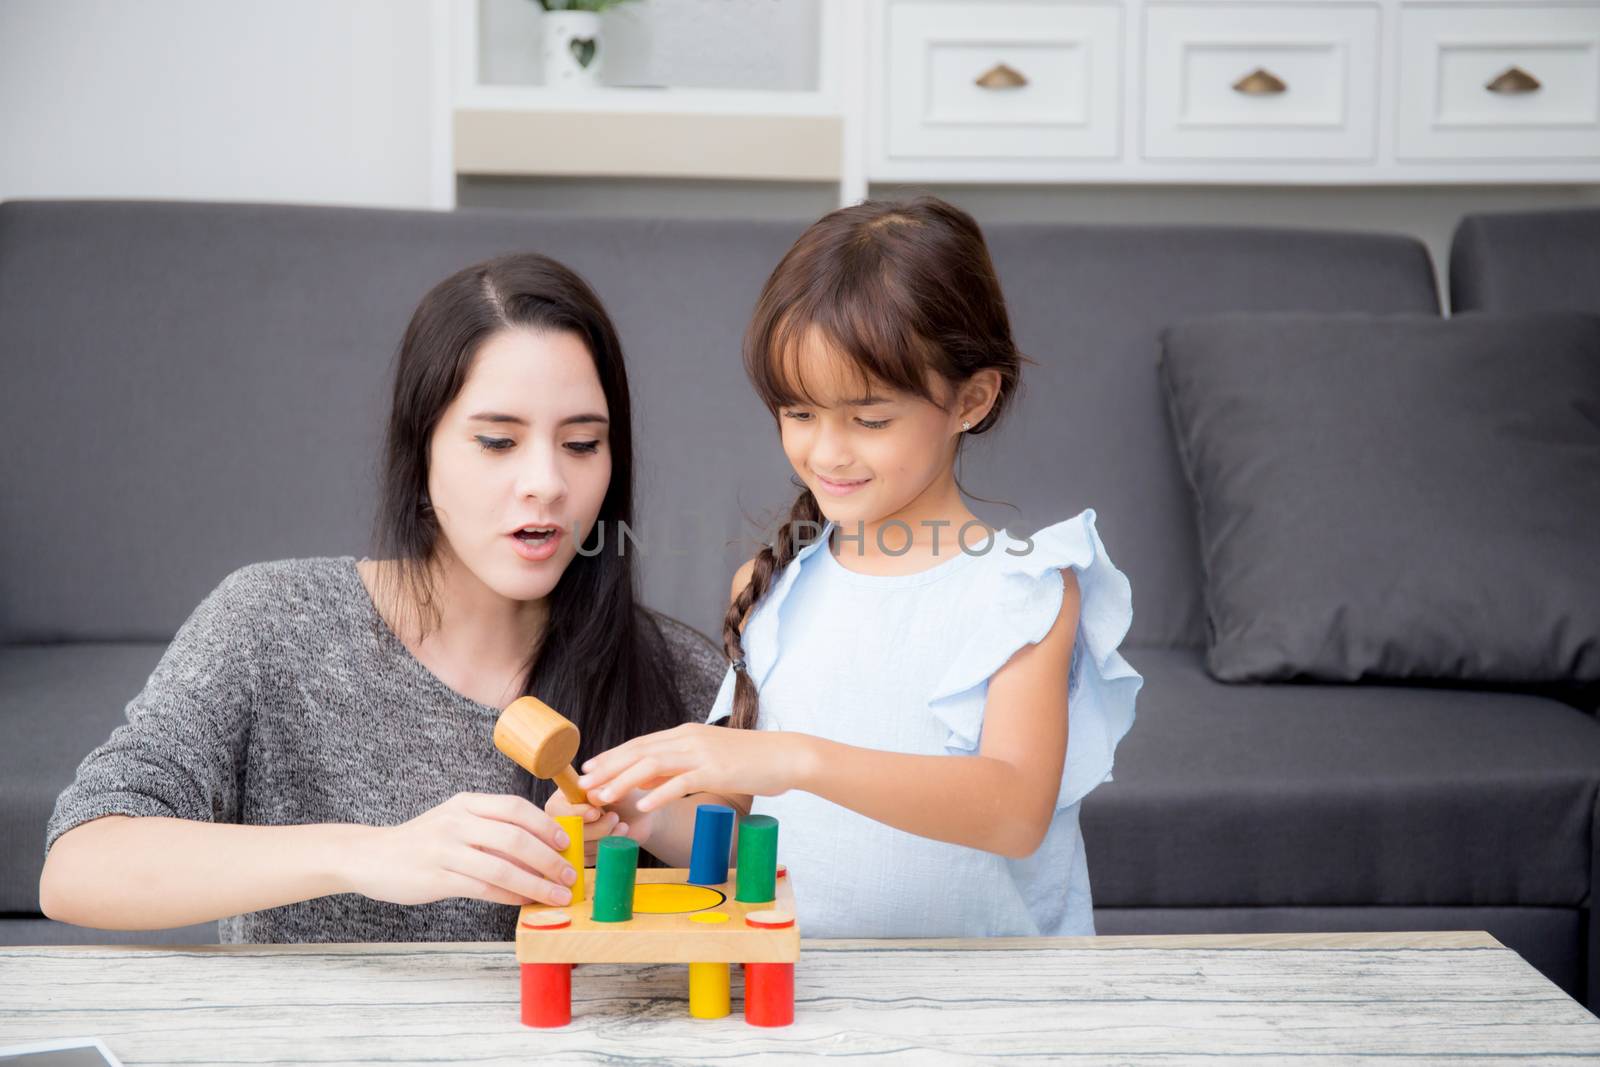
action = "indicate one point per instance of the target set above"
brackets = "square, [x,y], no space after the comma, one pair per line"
[572,56]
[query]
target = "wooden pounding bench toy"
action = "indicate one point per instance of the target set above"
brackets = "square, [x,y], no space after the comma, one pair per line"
[708,916]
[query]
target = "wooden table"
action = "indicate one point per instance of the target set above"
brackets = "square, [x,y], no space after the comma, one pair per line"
[1426,997]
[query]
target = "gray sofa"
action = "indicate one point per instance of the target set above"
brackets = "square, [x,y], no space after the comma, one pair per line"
[191,387]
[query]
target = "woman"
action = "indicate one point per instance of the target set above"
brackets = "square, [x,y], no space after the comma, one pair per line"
[312,759]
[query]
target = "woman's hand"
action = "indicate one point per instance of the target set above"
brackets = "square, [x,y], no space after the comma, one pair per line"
[696,758]
[496,848]
[597,823]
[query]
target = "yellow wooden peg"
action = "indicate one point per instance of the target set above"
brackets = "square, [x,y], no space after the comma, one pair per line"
[573,853]
[708,990]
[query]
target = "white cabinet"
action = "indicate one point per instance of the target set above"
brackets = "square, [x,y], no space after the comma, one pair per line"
[1033,80]
[1294,81]
[1228,91]
[1500,82]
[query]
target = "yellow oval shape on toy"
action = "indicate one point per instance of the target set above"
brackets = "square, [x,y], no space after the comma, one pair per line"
[709,917]
[673,898]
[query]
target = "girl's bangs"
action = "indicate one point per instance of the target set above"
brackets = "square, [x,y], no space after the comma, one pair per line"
[876,348]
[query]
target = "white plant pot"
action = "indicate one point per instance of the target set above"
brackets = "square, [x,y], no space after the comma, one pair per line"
[572,51]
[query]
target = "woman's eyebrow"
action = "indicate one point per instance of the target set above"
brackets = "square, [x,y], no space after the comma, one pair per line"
[496,416]
[863,401]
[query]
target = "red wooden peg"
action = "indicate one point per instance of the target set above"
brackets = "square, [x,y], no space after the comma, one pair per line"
[546,994]
[769,994]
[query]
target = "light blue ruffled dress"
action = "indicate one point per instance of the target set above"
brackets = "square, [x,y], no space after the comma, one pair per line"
[902,663]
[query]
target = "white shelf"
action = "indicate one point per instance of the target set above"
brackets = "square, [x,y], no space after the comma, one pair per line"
[647,132]
[636,144]
[646,101]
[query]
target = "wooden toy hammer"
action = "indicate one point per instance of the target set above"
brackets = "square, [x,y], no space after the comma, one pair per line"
[543,741]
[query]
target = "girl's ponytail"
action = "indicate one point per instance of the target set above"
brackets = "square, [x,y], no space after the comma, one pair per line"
[804,516]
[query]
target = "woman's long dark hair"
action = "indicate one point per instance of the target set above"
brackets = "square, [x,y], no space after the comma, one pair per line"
[905,290]
[602,661]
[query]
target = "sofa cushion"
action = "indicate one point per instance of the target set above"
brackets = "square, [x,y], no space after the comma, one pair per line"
[57,704]
[228,387]
[37,930]
[1394,496]
[1310,794]
[1546,260]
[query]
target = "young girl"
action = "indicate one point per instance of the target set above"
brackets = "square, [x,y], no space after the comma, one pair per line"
[921,701]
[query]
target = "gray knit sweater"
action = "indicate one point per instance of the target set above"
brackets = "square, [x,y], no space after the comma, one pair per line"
[286,699]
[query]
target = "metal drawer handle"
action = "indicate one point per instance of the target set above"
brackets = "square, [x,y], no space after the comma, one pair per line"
[1260,82]
[1001,76]
[1513,80]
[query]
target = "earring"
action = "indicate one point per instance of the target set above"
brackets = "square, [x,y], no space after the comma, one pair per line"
[965,425]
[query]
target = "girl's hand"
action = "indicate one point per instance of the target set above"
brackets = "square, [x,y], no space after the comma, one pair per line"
[497,848]
[696,758]
[597,822]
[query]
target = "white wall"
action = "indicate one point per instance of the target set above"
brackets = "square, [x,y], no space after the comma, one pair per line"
[311,101]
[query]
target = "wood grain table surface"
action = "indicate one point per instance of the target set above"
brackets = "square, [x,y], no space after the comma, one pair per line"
[1432,997]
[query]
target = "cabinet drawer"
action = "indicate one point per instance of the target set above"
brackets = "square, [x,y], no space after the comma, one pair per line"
[1505,81]
[1260,81]
[1036,80]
